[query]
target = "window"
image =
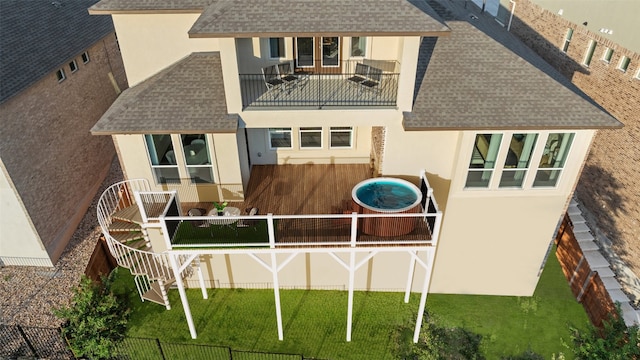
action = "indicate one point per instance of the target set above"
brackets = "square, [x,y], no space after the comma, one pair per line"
[517,160]
[162,158]
[276,48]
[341,137]
[589,55]
[553,158]
[358,46]
[483,160]
[60,75]
[567,40]
[280,138]
[85,57]
[311,137]
[512,157]
[73,66]
[607,55]
[638,74]
[624,64]
[197,158]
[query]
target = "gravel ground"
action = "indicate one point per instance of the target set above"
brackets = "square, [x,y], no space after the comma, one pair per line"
[29,294]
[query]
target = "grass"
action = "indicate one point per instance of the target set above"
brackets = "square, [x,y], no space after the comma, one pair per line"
[315,321]
[188,234]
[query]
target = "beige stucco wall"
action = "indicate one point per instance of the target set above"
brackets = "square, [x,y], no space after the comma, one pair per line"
[144,40]
[506,232]
[19,242]
[358,154]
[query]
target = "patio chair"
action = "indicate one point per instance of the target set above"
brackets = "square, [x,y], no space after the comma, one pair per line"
[272,78]
[374,78]
[286,73]
[247,223]
[362,71]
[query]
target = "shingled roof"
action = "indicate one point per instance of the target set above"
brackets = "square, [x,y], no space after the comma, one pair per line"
[38,36]
[186,97]
[142,6]
[482,77]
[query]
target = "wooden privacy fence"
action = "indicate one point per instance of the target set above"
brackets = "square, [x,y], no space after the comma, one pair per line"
[101,261]
[586,284]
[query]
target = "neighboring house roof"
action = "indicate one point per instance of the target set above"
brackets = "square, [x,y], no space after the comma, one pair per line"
[482,77]
[186,97]
[268,18]
[39,36]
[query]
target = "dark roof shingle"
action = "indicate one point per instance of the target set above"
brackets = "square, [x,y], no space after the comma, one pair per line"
[38,36]
[186,97]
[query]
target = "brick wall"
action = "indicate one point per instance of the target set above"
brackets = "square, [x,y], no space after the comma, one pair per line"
[610,183]
[53,160]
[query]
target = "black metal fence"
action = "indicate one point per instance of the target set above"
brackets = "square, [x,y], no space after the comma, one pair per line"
[36,342]
[19,342]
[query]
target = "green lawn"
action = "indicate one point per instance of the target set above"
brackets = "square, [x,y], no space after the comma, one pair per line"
[315,321]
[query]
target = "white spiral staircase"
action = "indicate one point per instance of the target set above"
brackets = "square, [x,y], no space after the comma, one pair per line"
[120,218]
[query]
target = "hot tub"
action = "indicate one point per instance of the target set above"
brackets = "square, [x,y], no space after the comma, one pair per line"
[384,196]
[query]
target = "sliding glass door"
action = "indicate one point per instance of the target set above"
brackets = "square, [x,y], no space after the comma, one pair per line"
[319,54]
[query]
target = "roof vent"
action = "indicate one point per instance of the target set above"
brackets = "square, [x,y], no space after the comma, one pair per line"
[473,17]
[56,4]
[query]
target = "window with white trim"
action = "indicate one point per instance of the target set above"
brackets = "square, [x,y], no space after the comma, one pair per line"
[358,46]
[280,138]
[553,159]
[607,55]
[638,74]
[624,64]
[340,137]
[567,40]
[517,160]
[589,54]
[85,57]
[162,158]
[197,158]
[310,137]
[73,66]
[276,48]
[60,75]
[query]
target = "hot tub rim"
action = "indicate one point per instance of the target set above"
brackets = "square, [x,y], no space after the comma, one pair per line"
[380,179]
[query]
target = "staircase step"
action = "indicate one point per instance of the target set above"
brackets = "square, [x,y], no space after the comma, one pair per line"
[128,237]
[131,214]
[123,226]
[154,294]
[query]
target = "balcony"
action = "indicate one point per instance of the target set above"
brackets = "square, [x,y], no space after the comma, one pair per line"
[320,88]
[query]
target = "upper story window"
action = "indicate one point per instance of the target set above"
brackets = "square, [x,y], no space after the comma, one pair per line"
[567,40]
[624,64]
[85,57]
[516,160]
[638,74]
[197,158]
[280,138]
[60,75]
[73,66]
[311,137]
[607,55]
[358,46]
[341,137]
[276,48]
[162,158]
[589,54]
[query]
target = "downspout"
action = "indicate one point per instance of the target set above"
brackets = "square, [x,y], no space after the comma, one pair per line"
[513,9]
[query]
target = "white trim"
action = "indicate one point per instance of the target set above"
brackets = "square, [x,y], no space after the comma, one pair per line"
[338,54]
[637,77]
[624,59]
[284,48]
[85,55]
[311,129]
[73,66]
[280,130]
[60,75]
[366,47]
[313,51]
[588,56]
[608,52]
[351,136]
[567,40]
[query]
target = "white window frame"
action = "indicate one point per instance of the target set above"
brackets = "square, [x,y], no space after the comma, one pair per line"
[85,57]
[364,51]
[159,166]
[60,75]
[313,51]
[73,66]
[339,129]
[281,41]
[196,166]
[624,63]
[280,130]
[588,56]
[531,170]
[567,40]
[637,77]
[607,55]
[311,129]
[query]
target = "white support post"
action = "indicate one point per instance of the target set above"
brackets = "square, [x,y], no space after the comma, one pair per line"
[203,288]
[352,271]
[183,295]
[354,228]
[276,293]
[423,297]
[271,230]
[412,266]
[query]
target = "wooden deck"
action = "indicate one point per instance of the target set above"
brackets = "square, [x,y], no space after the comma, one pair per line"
[308,190]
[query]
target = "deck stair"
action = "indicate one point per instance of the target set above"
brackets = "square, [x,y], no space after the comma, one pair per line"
[121,222]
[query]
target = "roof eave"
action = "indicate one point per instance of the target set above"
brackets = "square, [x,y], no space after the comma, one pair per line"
[195,35]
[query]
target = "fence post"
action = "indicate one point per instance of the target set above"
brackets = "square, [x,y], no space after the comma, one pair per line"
[26,340]
[160,349]
[230,353]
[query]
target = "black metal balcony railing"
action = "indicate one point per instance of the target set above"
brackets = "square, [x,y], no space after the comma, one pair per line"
[320,89]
